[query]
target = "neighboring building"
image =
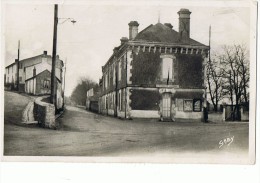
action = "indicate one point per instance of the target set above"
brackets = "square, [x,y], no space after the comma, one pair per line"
[28,66]
[11,76]
[92,99]
[35,76]
[157,73]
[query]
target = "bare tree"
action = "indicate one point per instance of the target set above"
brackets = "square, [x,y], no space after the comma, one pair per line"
[215,81]
[235,69]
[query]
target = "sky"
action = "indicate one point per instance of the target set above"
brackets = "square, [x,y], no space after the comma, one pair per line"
[87,45]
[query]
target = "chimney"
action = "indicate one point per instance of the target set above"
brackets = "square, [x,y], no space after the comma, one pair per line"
[133,29]
[184,24]
[45,52]
[34,71]
[169,25]
[123,40]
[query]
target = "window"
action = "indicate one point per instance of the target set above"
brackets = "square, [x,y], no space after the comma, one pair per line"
[187,105]
[119,71]
[124,61]
[119,100]
[197,105]
[46,83]
[114,75]
[180,104]
[21,65]
[167,68]
[20,78]
[106,81]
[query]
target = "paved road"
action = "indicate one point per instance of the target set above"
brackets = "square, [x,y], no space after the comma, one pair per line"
[83,133]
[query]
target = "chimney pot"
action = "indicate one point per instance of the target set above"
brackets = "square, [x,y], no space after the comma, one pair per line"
[184,24]
[169,25]
[123,40]
[45,52]
[133,29]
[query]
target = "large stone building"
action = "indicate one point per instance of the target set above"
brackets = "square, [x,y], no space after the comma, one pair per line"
[156,73]
[35,76]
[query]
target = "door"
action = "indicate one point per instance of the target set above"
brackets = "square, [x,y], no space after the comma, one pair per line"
[166,110]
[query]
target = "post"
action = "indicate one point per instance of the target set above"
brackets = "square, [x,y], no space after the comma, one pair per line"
[17,78]
[53,83]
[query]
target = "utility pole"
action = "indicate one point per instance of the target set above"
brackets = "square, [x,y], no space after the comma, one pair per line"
[18,59]
[53,79]
[209,41]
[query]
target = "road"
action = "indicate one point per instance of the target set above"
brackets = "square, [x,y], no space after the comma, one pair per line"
[83,133]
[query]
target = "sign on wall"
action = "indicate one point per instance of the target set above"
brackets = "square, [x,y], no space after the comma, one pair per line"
[197,105]
[187,105]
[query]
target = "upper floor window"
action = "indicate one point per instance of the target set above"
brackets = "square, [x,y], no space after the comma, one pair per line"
[114,75]
[21,65]
[167,66]
[119,70]
[106,81]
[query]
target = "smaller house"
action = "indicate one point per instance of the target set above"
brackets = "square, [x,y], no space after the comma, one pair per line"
[40,84]
[92,99]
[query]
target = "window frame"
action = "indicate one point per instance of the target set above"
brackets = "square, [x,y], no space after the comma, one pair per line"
[173,58]
[188,100]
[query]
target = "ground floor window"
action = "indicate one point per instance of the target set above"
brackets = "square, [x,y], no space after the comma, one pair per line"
[119,99]
[188,105]
[197,105]
[179,104]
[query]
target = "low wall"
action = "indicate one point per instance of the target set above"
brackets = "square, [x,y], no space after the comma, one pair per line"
[144,114]
[188,115]
[215,117]
[44,113]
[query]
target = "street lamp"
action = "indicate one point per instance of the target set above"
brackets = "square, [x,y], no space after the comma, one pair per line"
[53,75]
[66,19]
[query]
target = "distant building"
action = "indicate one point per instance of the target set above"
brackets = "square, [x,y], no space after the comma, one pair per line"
[156,73]
[35,75]
[92,99]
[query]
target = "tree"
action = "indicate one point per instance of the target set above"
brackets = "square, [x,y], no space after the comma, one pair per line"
[235,69]
[214,81]
[79,93]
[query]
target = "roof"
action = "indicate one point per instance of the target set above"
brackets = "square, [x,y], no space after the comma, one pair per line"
[10,65]
[163,33]
[41,73]
[30,58]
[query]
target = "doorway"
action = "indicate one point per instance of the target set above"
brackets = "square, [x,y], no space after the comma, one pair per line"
[166,106]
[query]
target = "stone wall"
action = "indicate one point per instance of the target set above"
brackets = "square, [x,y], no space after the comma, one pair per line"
[44,113]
